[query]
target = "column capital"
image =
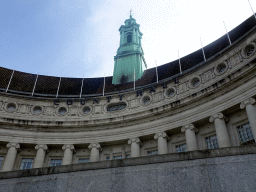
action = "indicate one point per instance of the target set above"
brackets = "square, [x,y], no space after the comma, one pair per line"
[162,134]
[246,102]
[189,126]
[217,116]
[68,146]
[41,146]
[16,145]
[95,145]
[134,140]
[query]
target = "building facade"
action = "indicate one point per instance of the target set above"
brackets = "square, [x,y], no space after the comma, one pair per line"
[50,121]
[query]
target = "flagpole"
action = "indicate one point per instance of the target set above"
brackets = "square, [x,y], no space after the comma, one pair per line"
[134,79]
[156,73]
[58,87]
[104,85]
[34,85]
[179,62]
[227,33]
[202,49]
[9,82]
[82,87]
[252,9]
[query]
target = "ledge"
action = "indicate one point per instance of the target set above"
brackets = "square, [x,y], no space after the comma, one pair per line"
[230,151]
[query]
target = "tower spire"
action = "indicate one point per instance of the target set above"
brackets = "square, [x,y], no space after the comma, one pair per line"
[130,55]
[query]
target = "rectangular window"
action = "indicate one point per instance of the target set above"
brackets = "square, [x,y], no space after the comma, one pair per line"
[127,156]
[118,157]
[107,157]
[211,142]
[245,133]
[181,148]
[55,162]
[1,161]
[153,152]
[26,164]
[83,160]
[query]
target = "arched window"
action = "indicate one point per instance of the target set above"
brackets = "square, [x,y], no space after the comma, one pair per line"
[129,38]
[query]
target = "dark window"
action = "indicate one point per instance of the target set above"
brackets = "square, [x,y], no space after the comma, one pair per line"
[211,142]
[129,38]
[245,133]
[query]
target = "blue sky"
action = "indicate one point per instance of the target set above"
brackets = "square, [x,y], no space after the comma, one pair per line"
[80,37]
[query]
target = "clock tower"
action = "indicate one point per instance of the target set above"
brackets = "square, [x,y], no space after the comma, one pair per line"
[130,55]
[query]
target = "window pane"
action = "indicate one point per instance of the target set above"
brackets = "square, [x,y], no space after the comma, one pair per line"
[1,160]
[55,162]
[153,152]
[26,164]
[211,142]
[181,148]
[118,157]
[245,133]
[83,160]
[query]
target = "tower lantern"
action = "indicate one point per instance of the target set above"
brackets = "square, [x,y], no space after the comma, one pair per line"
[130,55]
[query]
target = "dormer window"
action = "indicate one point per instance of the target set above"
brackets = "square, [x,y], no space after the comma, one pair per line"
[129,38]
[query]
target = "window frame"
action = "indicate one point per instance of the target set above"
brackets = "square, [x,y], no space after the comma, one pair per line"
[209,136]
[55,159]
[23,158]
[181,145]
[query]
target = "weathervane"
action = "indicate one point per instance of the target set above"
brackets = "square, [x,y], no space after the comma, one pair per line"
[130,12]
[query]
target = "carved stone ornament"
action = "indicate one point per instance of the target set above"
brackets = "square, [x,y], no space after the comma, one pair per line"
[157,135]
[44,147]
[189,126]
[16,145]
[249,101]
[95,145]
[216,116]
[136,140]
[71,147]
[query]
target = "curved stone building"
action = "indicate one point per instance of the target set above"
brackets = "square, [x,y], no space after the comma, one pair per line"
[50,121]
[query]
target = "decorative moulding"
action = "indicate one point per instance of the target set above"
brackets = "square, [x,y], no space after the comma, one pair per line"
[249,50]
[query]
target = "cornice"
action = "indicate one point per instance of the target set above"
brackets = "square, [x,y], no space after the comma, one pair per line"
[162,109]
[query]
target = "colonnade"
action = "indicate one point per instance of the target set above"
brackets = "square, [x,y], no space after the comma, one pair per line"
[190,134]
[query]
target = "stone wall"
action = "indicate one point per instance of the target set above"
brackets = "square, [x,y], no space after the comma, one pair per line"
[227,169]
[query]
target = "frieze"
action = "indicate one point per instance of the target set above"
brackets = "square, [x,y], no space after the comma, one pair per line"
[208,76]
[234,60]
[158,96]
[181,88]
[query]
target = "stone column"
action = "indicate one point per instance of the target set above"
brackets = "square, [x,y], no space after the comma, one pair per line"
[221,130]
[95,152]
[135,147]
[40,155]
[68,154]
[190,136]
[162,142]
[251,114]
[11,156]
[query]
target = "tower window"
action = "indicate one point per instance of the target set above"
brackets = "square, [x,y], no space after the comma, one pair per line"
[129,38]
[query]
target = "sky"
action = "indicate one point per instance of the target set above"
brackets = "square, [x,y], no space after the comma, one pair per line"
[80,37]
